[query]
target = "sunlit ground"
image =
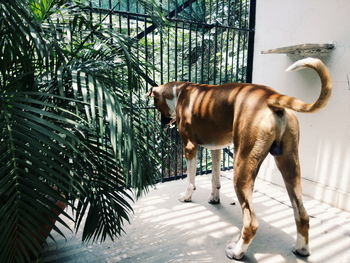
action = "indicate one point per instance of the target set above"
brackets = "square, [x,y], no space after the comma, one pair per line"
[165,230]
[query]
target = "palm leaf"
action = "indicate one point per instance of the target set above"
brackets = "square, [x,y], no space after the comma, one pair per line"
[69,127]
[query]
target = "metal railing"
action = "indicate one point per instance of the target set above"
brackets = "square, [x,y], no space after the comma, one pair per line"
[202,41]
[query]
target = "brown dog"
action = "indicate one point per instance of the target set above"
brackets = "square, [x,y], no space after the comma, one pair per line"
[257,120]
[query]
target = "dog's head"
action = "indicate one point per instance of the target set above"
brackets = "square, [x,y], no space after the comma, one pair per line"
[165,101]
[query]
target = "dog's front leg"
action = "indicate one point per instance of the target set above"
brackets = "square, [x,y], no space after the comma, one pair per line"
[191,158]
[215,179]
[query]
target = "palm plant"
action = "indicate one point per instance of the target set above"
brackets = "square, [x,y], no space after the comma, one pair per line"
[69,127]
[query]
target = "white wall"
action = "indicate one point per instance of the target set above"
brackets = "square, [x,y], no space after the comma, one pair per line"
[325,135]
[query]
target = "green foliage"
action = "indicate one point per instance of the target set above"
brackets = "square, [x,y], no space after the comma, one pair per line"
[69,127]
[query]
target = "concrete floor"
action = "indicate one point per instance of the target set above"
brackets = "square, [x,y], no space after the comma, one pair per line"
[165,230]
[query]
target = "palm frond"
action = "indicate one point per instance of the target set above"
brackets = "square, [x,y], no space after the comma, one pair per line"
[71,129]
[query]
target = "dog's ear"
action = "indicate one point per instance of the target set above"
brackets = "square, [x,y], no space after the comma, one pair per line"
[150,93]
[154,92]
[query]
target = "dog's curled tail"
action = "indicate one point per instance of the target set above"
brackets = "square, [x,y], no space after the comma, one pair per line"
[284,101]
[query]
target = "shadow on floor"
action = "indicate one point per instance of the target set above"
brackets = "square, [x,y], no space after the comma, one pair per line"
[165,230]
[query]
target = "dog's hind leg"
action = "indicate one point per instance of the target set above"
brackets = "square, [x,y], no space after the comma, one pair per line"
[191,161]
[215,179]
[245,171]
[288,164]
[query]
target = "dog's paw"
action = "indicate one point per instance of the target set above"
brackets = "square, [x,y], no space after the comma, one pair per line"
[302,252]
[301,248]
[185,200]
[212,201]
[232,253]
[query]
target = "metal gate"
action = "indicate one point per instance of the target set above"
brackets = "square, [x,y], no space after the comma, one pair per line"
[203,41]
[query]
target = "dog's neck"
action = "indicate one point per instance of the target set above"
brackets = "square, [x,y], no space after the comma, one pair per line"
[172,102]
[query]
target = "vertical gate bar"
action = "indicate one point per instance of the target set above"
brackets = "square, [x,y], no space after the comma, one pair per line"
[182,78]
[233,158]
[228,160]
[120,23]
[233,56]
[189,52]
[233,43]
[166,174]
[226,58]
[91,17]
[227,52]
[153,58]
[174,134]
[210,18]
[206,160]
[190,45]
[100,13]
[209,53]
[223,159]
[239,42]
[168,50]
[229,15]
[207,81]
[215,39]
[245,40]
[203,35]
[129,80]
[183,51]
[223,13]
[176,37]
[201,160]
[120,30]
[215,51]
[161,48]
[252,11]
[243,64]
[183,61]
[161,58]
[202,55]
[176,5]
[110,17]
[221,54]
[154,110]
[227,165]
[168,64]
[196,55]
[137,42]
[162,153]
[189,62]
[146,47]
[222,40]
[128,25]
[169,144]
